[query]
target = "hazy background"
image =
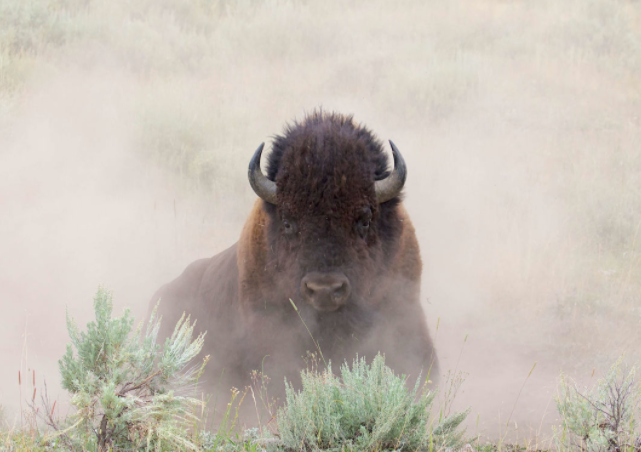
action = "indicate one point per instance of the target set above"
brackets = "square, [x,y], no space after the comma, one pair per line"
[126,128]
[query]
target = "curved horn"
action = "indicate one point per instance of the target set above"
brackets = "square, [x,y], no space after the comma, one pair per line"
[391,186]
[263,187]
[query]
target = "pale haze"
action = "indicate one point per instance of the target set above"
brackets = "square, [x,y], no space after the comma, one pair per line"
[126,129]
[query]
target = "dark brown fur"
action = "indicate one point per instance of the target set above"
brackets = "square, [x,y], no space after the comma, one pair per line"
[325,168]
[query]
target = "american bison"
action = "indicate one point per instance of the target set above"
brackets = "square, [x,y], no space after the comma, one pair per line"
[328,234]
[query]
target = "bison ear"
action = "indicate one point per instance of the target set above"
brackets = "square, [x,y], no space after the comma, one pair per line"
[391,186]
[262,186]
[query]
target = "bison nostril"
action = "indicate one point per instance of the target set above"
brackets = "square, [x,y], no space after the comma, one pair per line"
[340,291]
[308,290]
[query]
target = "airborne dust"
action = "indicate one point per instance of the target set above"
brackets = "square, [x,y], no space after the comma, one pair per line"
[126,129]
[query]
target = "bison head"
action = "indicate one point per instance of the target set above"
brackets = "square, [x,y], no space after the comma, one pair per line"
[331,208]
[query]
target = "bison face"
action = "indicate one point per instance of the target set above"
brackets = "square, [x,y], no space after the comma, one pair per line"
[331,205]
[328,258]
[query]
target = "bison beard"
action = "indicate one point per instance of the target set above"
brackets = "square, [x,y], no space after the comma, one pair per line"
[330,234]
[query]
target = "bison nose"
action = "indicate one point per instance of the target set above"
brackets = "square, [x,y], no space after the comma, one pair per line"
[326,291]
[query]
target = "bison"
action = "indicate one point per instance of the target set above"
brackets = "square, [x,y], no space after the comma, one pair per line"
[328,259]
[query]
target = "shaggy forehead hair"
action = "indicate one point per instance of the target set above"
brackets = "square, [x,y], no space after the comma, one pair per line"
[327,143]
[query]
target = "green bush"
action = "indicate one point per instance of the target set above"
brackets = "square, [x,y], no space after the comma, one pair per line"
[605,418]
[368,408]
[119,382]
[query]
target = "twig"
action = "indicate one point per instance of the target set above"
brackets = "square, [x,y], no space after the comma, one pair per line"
[125,390]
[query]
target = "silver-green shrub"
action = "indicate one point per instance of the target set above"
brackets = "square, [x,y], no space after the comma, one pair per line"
[120,383]
[368,408]
[604,418]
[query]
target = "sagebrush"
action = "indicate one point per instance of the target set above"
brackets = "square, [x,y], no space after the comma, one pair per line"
[604,418]
[120,383]
[367,408]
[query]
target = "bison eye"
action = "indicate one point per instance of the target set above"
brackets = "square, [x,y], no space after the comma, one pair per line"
[362,227]
[362,224]
[289,228]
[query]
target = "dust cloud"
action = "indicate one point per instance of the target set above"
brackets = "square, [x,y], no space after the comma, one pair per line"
[123,155]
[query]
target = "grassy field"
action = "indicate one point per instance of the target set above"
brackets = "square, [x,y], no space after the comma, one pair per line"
[126,128]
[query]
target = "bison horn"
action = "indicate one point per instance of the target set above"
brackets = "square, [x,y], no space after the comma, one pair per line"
[263,187]
[391,186]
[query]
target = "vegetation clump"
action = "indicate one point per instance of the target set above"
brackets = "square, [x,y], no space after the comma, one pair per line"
[120,383]
[368,408]
[605,418]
